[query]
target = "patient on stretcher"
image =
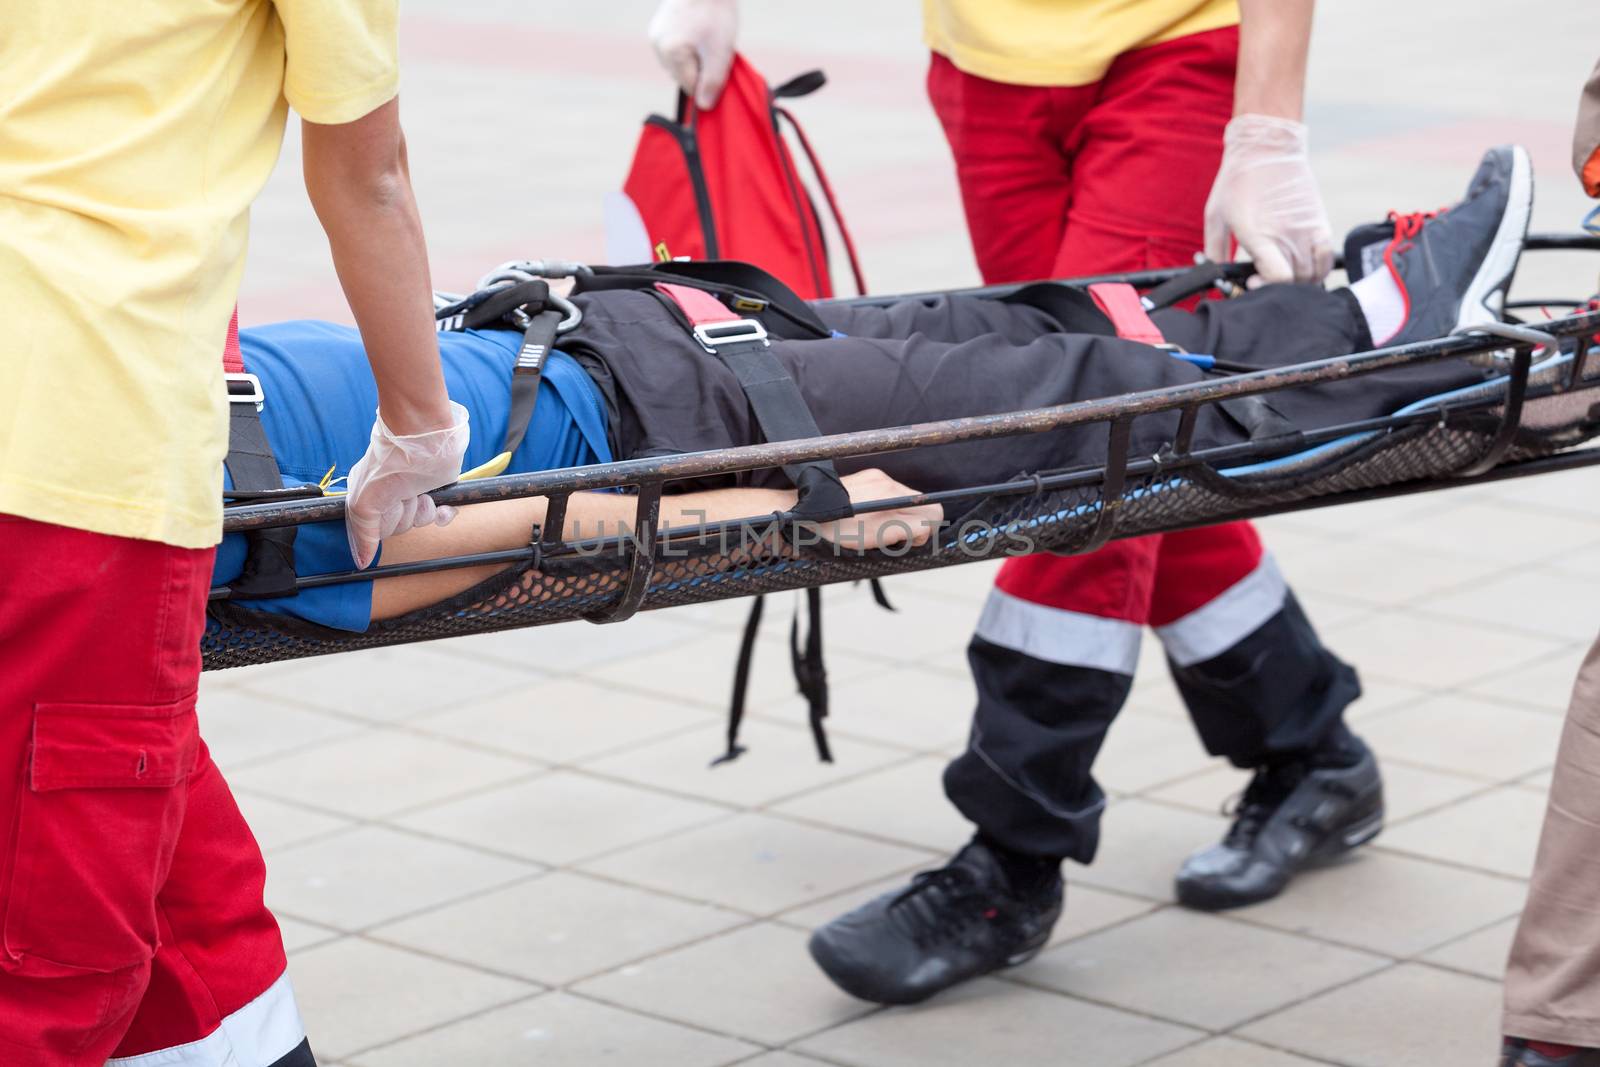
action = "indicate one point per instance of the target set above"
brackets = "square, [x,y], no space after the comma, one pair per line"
[632,381]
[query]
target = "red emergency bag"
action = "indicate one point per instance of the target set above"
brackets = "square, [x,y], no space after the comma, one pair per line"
[722,184]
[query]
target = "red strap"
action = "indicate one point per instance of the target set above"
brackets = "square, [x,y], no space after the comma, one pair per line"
[702,308]
[1120,302]
[232,358]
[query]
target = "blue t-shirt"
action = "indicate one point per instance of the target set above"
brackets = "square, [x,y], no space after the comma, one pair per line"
[319,403]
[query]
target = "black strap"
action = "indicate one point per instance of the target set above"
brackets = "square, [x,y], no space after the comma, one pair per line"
[268,571]
[537,341]
[1195,280]
[782,414]
[741,682]
[810,672]
[498,307]
[800,85]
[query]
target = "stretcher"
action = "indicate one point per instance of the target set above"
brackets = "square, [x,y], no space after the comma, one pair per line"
[1531,417]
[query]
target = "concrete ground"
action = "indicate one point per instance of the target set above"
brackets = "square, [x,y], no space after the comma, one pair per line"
[509,850]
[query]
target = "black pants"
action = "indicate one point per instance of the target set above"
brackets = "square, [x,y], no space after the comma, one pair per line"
[1026,778]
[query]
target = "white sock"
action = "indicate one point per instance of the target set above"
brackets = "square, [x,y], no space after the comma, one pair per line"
[1381,303]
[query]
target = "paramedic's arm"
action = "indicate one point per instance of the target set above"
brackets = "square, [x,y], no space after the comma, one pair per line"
[694,40]
[505,524]
[1265,196]
[359,183]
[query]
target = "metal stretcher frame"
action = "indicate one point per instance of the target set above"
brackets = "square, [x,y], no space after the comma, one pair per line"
[1479,440]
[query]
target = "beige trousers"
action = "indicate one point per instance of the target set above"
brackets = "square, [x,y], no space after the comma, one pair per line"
[1552,990]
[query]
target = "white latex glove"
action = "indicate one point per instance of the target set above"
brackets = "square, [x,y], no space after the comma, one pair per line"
[387,484]
[1266,198]
[694,39]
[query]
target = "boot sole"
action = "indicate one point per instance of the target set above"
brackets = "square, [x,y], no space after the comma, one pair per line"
[1501,260]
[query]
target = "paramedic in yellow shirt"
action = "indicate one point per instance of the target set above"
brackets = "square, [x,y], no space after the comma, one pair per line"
[1095,136]
[133,138]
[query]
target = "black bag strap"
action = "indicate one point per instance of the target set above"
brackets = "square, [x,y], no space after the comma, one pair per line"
[1195,280]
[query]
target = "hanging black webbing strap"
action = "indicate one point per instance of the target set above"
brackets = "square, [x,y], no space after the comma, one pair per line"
[810,671]
[741,682]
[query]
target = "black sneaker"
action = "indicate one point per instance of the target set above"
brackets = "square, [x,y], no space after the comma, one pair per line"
[1454,266]
[1290,816]
[949,925]
[1516,1053]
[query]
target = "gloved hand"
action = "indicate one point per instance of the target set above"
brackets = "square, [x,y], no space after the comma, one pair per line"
[387,484]
[1266,197]
[694,39]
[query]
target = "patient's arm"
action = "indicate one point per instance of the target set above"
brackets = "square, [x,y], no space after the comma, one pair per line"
[507,524]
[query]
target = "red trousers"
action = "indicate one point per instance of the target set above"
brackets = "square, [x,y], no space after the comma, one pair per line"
[1090,179]
[131,914]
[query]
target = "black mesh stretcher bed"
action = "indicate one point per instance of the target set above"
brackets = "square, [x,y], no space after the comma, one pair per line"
[1529,419]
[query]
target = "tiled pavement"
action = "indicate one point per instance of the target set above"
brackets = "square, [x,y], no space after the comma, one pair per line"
[509,850]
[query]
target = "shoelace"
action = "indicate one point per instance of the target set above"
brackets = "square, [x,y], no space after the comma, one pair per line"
[1254,807]
[1406,227]
[938,906]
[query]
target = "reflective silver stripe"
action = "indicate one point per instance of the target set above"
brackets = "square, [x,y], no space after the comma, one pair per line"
[1056,635]
[1239,612]
[257,1035]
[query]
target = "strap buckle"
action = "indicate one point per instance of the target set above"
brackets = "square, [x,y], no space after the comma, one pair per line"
[244,389]
[713,335]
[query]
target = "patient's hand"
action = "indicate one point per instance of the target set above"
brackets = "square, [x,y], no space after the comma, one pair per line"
[881,529]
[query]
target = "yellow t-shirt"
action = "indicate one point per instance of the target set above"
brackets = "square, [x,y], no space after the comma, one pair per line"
[133,138]
[1059,42]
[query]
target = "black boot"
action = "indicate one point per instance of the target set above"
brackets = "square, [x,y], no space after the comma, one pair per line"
[1291,815]
[948,925]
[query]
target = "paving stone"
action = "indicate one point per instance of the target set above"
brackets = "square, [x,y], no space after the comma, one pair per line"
[904,803]
[1463,735]
[1014,1025]
[1195,969]
[558,1030]
[1230,1052]
[558,928]
[564,720]
[1409,1014]
[1435,652]
[392,684]
[757,982]
[1497,831]
[915,706]
[278,824]
[382,772]
[560,817]
[354,994]
[373,874]
[1545,684]
[781,762]
[240,726]
[756,863]
[299,935]
[1542,602]
[1142,845]
[1482,953]
[1388,903]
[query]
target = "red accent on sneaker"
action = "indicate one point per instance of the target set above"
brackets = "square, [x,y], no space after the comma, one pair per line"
[1553,1050]
[1405,228]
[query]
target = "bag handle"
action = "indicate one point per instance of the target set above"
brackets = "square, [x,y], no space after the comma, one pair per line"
[823,183]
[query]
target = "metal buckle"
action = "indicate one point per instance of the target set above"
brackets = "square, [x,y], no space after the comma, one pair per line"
[250,393]
[735,331]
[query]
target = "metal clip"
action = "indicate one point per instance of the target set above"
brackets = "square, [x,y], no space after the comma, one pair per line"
[711,335]
[249,391]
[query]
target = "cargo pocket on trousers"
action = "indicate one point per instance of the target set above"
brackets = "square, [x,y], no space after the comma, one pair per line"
[100,806]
